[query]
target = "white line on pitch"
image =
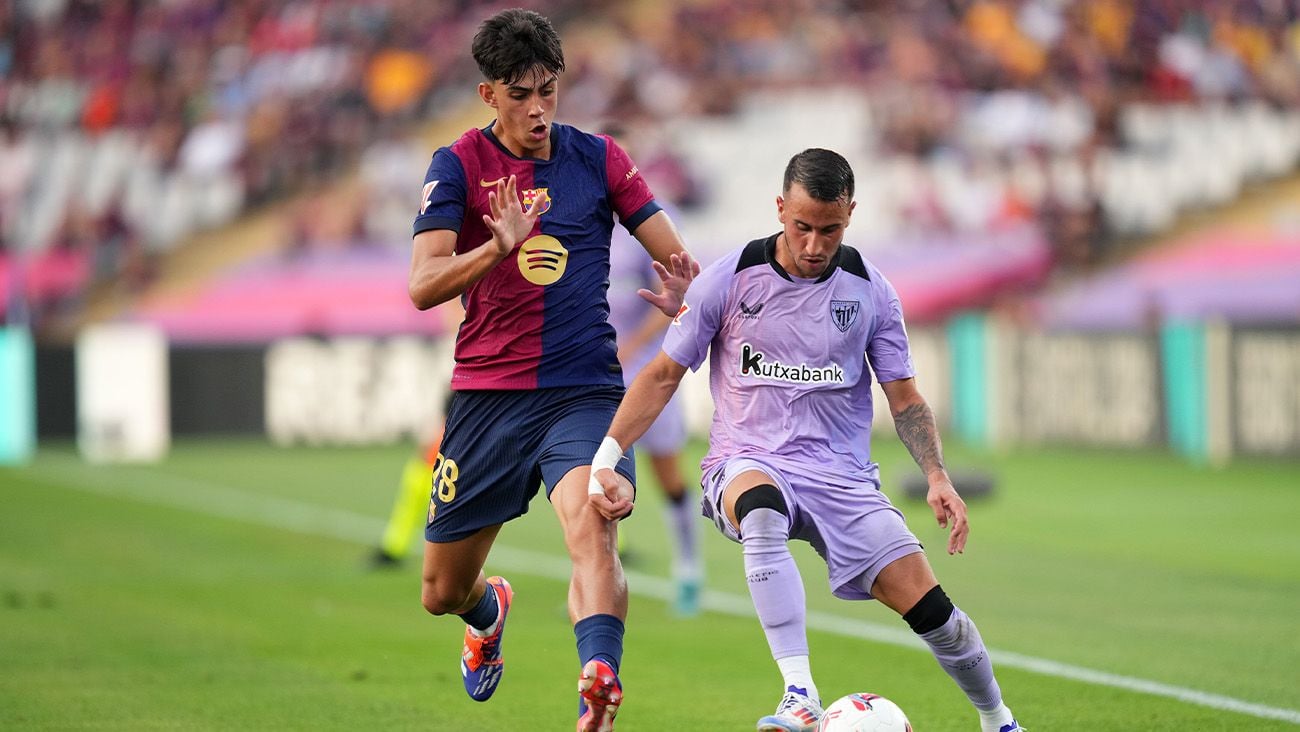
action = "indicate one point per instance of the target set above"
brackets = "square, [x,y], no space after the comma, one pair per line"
[153,486]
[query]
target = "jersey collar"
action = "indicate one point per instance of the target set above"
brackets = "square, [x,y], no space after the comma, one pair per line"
[769,252]
[555,141]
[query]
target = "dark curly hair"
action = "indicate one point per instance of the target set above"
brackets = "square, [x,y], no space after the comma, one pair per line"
[513,42]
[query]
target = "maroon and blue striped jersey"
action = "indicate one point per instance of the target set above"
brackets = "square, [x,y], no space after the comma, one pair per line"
[539,318]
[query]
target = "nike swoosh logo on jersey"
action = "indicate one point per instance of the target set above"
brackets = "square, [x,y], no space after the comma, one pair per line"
[488,183]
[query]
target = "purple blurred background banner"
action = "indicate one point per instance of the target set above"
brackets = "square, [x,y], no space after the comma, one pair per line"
[939,275]
[1238,277]
[359,291]
[362,290]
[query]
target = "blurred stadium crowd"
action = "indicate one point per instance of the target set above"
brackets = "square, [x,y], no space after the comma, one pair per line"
[128,125]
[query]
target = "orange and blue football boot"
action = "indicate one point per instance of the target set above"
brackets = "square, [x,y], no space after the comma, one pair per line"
[601,694]
[481,663]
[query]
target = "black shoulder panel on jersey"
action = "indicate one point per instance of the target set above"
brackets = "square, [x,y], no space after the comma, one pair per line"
[851,262]
[755,253]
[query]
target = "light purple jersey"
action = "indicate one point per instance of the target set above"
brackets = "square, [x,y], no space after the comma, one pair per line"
[787,368]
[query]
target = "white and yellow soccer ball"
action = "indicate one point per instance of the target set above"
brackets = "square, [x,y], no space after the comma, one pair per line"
[863,712]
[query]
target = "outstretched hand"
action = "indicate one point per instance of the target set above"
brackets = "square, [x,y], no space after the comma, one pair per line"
[674,279]
[950,511]
[603,495]
[507,220]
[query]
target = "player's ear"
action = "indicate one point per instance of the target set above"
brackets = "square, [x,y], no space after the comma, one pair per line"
[488,94]
[780,209]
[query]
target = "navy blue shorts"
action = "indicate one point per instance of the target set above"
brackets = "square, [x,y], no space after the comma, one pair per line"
[500,446]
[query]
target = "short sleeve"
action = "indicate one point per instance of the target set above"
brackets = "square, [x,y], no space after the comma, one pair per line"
[629,194]
[689,335]
[442,200]
[887,350]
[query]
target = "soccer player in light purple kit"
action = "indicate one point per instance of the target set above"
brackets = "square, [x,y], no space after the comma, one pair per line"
[785,322]
[640,327]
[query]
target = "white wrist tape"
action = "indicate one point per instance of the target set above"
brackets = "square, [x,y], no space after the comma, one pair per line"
[607,456]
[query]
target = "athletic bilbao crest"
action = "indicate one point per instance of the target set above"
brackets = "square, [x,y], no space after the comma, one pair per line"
[532,194]
[844,313]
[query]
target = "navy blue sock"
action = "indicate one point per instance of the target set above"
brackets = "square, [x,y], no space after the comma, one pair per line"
[484,614]
[600,636]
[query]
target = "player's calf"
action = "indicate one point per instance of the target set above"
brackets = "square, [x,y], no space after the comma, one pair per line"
[957,646]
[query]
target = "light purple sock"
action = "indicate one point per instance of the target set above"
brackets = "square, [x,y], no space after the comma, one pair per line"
[681,520]
[960,651]
[774,582]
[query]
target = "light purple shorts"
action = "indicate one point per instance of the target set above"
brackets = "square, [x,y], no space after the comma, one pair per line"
[851,524]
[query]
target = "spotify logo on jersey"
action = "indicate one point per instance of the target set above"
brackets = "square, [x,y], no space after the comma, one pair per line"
[542,259]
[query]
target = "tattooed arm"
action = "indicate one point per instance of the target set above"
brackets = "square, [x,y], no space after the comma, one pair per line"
[918,431]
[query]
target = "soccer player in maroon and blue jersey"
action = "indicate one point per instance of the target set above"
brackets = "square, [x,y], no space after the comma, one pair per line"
[786,322]
[515,219]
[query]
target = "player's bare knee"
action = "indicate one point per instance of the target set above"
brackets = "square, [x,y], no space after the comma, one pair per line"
[444,599]
[595,543]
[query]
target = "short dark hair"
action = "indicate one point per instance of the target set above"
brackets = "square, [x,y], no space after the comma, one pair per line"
[825,174]
[513,42]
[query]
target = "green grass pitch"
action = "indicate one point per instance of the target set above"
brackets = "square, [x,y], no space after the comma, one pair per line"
[226,589]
